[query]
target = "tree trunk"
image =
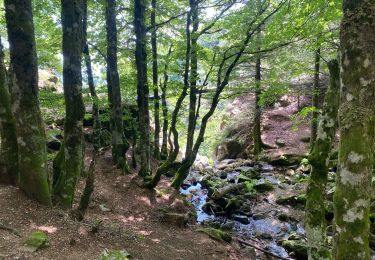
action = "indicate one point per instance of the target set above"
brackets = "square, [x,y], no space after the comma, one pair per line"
[90,80]
[32,150]
[142,85]
[162,169]
[8,137]
[119,143]
[193,77]
[357,131]
[71,17]
[315,100]
[155,80]
[315,222]
[257,134]
[164,147]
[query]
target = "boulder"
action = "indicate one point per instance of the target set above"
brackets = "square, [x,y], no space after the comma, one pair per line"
[36,240]
[216,234]
[263,186]
[242,219]
[297,247]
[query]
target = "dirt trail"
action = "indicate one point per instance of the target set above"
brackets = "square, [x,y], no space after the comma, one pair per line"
[131,224]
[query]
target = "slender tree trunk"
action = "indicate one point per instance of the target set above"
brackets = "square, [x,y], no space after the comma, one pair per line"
[315,222]
[357,131]
[155,80]
[32,150]
[164,147]
[193,77]
[315,99]
[257,134]
[162,169]
[119,143]
[90,80]
[142,85]
[8,137]
[71,17]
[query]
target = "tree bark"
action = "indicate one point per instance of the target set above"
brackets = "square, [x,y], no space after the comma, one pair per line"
[315,100]
[257,134]
[91,83]
[32,150]
[73,148]
[357,131]
[155,80]
[8,137]
[119,143]
[193,77]
[315,222]
[164,147]
[142,85]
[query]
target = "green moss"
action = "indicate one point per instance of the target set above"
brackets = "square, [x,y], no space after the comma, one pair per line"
[216,234]
[264,186]
[37,240]
[297,247]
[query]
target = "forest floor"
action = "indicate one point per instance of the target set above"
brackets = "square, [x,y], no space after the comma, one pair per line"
[121,216]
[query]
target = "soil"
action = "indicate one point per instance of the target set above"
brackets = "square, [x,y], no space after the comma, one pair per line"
[132,224]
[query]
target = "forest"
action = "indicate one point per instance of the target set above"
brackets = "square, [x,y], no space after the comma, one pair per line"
[197,129]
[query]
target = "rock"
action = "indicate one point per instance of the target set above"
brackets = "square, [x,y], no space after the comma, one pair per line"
[36,240]
[221,165]
[264,186]
[286,160]
[229,150]
[297,247]
[242,219]
[216,234]
[54,144]
[285,218]
[305,139]
[104,208]
[299,200]
[223,175]
[250,172]
[114,255]
[280,142]
[175,219]
[259,216]
[201,162]
[229,225]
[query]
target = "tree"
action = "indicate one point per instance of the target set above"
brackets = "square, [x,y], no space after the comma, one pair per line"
[8,137]
[32,150]
[315,100]
[315,221]
[119,143]
[155,80]
[164,147]
[90,80]
[142,85]
[357,131]
[71,157]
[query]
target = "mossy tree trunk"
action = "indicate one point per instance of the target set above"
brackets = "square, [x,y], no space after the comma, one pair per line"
[8,137]
[193,77]
[90,80]
[357,131]
[73,148]
[315,100]
[164,146]
[31,138]
[315,222]
[155,77]
[142,85]
[119,143]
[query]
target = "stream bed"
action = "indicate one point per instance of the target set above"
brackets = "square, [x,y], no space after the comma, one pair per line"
[253,211]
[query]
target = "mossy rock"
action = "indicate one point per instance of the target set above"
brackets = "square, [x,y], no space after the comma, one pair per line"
[114,255]
[299,200]
[216,234]
[264,186]
[37,240]
[298,248]
[286,160]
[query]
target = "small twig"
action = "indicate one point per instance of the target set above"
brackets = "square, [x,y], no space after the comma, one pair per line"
[261,249]
[10,229]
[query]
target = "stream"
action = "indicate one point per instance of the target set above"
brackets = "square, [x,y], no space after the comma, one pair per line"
[257,215]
